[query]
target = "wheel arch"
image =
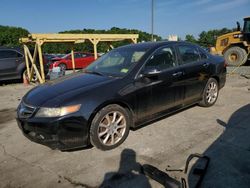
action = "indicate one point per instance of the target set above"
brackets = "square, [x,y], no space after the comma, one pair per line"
[20,69]
[62,63]
[120,103]
[216,78]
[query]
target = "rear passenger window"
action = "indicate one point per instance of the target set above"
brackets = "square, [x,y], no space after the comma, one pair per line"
[2,55]
[77,55]
[83,55]
[188,54]
[203,55]
[9,54]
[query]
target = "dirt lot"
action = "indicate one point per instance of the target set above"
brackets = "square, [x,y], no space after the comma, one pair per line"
[222,132]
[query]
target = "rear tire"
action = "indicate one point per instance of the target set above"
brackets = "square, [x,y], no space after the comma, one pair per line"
[235,56]
[110,127]
[210,93]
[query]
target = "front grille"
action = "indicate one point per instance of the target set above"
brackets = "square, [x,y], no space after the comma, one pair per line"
[25,111]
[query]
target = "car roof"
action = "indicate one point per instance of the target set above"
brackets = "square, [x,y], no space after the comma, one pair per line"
[11,48]
[155,44]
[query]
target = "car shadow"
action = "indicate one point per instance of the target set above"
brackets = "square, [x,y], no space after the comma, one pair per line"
[229,154]
[129,174]
[9,82]
[78,149]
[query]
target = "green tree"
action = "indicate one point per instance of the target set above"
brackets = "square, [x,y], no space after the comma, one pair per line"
[190,38]
[102,46]
[9,36]
[208,38]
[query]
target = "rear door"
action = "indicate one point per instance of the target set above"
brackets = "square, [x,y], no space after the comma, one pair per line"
[196,67]
[85,59]
[88,59]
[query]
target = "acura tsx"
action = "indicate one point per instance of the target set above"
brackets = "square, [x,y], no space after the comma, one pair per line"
[125,88]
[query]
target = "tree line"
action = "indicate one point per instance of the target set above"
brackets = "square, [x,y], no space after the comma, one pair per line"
[208,38]
[9,36]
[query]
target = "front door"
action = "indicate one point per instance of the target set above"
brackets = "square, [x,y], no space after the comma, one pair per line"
[161,88]
[78,60]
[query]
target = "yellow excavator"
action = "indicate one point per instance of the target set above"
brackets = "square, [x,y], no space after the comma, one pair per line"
[235,46]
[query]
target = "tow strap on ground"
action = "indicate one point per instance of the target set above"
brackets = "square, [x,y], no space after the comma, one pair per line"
[183,182]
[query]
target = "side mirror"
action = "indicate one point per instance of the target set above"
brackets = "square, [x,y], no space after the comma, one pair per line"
[150,72]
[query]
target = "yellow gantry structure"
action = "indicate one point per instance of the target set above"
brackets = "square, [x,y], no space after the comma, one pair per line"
[40,39]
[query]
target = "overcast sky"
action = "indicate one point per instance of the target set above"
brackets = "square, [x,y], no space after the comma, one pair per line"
[179,17]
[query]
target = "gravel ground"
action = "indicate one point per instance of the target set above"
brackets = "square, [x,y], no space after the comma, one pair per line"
[222,132]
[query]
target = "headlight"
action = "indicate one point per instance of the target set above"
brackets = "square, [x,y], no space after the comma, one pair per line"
[57,112]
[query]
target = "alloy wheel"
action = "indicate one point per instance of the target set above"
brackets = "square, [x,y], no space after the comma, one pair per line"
[212,92]
[112,128]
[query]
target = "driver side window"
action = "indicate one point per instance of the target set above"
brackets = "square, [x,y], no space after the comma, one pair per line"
[162,59]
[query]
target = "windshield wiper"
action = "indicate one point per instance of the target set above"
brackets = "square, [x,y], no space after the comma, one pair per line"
[93,72]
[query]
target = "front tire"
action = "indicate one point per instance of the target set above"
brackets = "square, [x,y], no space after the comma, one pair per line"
[63,67]
[110,127]
[210,93]
[235,56]
[34,78]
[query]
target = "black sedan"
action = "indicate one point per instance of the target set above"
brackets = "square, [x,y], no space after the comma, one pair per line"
[125,88]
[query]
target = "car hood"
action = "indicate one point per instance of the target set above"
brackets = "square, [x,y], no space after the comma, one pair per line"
[52,90]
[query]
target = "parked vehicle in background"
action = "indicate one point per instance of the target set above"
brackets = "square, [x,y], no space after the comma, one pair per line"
[12,64]
[235,46]
[49,57]
[123,89]
[82,60]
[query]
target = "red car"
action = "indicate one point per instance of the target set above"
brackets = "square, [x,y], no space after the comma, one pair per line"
[82,60]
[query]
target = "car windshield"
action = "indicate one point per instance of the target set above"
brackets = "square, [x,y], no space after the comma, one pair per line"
[117,62]
[65,56]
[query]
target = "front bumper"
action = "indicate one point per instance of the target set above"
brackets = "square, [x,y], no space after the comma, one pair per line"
[62,133]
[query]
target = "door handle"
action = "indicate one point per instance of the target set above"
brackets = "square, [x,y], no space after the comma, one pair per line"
[205,64]
[176,74]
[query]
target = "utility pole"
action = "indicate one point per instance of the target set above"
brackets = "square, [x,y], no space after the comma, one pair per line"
[152,20]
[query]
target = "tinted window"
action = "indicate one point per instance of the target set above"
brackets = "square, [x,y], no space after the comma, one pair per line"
[77,55]
[9,54]
[203,54]
[188,54]
[83,55]
[87,55]
[2,54]
[162,59]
